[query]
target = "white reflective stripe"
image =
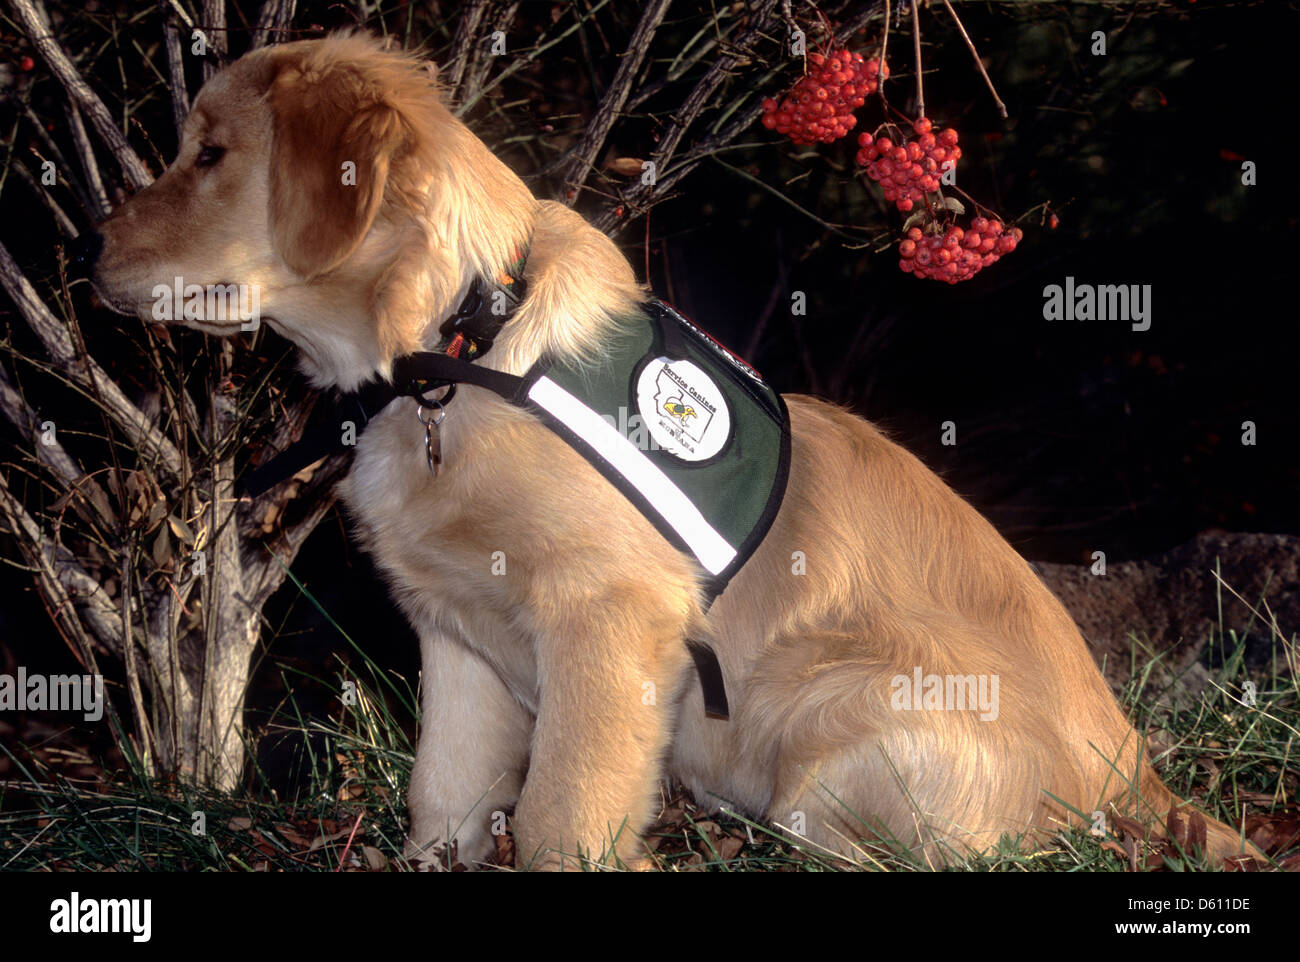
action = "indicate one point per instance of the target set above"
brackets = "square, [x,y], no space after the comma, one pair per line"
[666,498]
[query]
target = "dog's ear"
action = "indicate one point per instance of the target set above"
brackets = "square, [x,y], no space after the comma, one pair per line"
[333,142]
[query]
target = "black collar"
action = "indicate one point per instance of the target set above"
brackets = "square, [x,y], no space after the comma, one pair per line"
[467,334]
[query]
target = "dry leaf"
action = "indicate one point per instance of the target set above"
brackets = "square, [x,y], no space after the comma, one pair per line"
[505,850]
[162,548]
[626,166]
[729,847]
[180,529]
[322,840]
[293,836]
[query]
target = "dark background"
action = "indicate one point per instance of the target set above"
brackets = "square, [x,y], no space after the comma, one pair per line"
[1072,437]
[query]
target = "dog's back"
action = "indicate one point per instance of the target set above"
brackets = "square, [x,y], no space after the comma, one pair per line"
[875,579]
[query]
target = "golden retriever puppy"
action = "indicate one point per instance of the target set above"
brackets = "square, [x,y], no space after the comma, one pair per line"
[330,177]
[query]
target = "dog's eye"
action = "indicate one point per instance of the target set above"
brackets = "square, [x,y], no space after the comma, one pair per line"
[209,156]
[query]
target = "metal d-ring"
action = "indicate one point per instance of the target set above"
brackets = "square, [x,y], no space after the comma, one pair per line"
[432,431]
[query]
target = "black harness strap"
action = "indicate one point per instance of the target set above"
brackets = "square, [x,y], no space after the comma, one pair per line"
[467,334]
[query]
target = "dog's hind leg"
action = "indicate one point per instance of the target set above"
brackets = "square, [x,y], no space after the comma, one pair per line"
[471,756]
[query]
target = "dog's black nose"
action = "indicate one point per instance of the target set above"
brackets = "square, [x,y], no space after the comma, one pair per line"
[85,250]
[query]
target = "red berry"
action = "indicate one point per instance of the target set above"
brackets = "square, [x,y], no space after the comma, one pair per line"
[820,105]
[26,64]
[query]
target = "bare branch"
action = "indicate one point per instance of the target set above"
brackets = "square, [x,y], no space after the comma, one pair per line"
[83,371]
[264,576]
[639,196]
[481,62]
[176,75]
[88,164]
[63,583]
[79,92]
[63,164]
[518,63]
[615,97]
[214,24]
[274,17]
[138,711]
[48,451]
[462,44]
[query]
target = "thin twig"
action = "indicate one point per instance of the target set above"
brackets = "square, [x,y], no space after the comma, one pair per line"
[137,175]
[637,199]
[745,175]
[524,60]
[142,729]
[979,64]
[66,224]
[916,51]
[884,46]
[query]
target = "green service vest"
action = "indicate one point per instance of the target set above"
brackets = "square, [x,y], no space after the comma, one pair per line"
[686,430]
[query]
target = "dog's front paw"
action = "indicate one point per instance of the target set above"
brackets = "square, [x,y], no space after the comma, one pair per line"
[466,851]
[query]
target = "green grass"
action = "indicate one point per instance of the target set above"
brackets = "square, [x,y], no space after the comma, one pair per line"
[352,768]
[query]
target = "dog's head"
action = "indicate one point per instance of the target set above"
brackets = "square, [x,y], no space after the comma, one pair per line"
[325,185]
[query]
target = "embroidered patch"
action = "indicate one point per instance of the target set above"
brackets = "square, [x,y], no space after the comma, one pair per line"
[684,410]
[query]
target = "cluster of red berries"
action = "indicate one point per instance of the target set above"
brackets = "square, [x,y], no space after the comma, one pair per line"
[819,107]
[910,169]
[957,254]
